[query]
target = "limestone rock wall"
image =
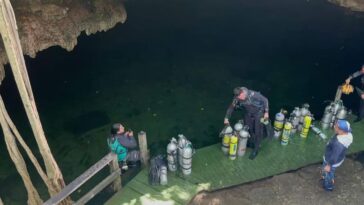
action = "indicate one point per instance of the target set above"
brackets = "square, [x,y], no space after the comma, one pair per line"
[46,23]
[355,5]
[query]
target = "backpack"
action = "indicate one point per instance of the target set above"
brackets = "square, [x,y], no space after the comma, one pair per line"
[155,169]
[117,148]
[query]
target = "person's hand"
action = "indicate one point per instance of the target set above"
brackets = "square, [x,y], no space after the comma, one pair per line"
[266,115]
[327,168]
[129,133]
[362,96]
[226,121]
[347,81]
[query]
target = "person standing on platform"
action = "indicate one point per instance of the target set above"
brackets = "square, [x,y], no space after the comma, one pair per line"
[335,153]
[257,107]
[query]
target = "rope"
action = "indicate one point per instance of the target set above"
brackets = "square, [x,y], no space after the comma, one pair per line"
[33,196]
[30,154]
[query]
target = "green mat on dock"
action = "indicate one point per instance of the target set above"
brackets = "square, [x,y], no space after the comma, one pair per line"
[212,170]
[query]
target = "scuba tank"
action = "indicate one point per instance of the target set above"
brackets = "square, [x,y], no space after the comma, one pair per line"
[172,155]
[226,140]
[243,139]
[341,113]
[318,132]
[278,124]
[306,126]
[163,175]
[304,109]
[286,133]
[304,112]
[185,153]
[337,105]
[327,117]
[182,141]
[238,126]
[233,147]
[186,164]
[295,119]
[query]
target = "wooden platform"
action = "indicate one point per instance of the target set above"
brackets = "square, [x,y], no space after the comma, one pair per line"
[212,170]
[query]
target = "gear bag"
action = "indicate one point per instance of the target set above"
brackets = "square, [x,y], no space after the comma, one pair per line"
[155,169]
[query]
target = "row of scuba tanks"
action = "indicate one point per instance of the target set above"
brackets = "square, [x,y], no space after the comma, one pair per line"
[298,121]
[179,155]
[333,112]
[234,140]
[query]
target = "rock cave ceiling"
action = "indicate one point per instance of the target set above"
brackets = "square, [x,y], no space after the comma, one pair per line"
[46,23]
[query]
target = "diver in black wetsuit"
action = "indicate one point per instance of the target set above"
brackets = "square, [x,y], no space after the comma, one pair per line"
[257,107]
[360,91]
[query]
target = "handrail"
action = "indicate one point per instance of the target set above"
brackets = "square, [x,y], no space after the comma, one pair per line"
[87,197]
[114,178]
[75,184]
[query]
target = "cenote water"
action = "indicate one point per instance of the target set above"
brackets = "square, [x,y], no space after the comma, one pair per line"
[171,69]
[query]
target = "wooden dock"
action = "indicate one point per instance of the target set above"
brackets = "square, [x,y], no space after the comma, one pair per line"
[212,170]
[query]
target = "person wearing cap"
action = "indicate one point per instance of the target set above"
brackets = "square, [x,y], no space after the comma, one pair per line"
[335,152]
[257,107]
[123,144]
[359,90]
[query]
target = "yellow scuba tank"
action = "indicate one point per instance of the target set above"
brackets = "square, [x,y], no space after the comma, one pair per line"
[278,124]
[306,126]
[225,145]
[286,133]
[233,147]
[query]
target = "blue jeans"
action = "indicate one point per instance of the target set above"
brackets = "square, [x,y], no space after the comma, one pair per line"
[328,177]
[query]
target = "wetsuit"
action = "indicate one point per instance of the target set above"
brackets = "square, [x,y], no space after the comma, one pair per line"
[360,91]
[255,105]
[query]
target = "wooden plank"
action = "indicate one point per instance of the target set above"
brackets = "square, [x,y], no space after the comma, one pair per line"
[273,159]
[75,184]
[126,196]
[99,187]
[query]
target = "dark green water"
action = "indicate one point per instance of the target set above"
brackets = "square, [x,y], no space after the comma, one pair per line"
[171,69]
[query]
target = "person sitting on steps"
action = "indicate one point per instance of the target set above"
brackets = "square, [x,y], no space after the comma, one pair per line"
[124,145]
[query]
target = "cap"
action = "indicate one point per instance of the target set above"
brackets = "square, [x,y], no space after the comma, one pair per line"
[344,125]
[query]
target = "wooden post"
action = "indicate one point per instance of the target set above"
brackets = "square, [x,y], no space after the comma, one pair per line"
[338,93]
[1,202]
[114,167]
[143,146]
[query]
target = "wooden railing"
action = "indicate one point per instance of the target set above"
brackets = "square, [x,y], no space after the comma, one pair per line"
[114,178]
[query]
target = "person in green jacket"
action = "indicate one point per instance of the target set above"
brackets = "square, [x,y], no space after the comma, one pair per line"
[123,144]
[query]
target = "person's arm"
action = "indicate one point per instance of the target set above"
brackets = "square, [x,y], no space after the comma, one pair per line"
[354,75]
[230,111]
[128,141]
[264,102]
